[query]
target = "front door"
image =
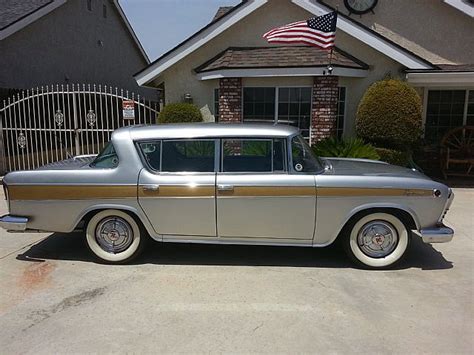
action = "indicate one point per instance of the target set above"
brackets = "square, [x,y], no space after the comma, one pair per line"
[256,197]
[177,190]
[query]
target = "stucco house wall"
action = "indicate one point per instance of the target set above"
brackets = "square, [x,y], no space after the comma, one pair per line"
[180,79]
[406,22]
[73,45]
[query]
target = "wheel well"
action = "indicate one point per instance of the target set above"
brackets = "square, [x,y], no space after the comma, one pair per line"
[404,216]
[87,217]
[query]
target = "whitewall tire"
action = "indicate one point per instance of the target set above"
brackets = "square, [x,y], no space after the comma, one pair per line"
[114,236]
[377,240]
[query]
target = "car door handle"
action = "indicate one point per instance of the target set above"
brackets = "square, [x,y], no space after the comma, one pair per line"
[225,187]
[151,187]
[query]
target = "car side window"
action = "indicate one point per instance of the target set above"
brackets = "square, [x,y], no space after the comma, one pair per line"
[303,159]
[152,153]
[106,159]
[253,155]
[195,155]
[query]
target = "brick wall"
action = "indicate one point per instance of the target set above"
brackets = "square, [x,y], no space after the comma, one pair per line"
[230,100]
[324,107]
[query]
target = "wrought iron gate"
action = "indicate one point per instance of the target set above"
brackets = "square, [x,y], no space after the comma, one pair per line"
[52,123]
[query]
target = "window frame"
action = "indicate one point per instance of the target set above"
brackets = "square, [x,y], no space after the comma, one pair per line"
[161,140]
[427,89]
[262,138]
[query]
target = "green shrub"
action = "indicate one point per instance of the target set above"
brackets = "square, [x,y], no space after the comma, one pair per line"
[395,157]
[389,115]
[180,112]
[345,148]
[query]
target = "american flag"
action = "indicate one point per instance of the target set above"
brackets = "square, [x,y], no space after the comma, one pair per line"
[317,31]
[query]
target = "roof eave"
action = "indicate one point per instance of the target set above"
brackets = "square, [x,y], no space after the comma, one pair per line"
[30,18]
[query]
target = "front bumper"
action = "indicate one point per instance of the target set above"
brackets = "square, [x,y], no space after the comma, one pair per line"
[13,223]
[439,234]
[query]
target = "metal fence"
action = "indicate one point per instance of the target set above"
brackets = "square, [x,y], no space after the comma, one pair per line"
[52,123]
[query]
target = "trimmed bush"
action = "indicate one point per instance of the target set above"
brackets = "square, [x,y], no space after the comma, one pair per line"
[180,112]
[395,157]
[389,115]
[345,148]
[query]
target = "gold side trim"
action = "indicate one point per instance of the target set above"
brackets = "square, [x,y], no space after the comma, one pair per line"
[271,191]
[71,192]
[354,191]
[178,191]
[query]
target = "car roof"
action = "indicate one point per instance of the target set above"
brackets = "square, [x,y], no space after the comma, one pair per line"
[208,130]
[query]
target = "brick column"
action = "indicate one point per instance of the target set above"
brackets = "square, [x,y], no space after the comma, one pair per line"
[324,107]
[230,100]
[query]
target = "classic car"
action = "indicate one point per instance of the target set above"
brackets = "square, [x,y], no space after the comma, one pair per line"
[228,184]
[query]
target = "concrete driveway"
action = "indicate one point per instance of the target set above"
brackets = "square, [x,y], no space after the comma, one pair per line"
[193,298]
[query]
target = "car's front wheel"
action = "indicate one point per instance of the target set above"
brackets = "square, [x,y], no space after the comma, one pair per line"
[376,240]
[114,236]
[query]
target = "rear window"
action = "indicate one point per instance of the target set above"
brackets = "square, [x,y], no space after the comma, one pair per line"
[108,158]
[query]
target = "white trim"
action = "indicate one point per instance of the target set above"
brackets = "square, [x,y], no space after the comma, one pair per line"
[453,79]
[281,72]
[130,30]
[192,44]
[365,36]
[461,6]
[20,24]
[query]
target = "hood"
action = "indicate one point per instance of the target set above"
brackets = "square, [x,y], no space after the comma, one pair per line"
[365,167]
[78,162]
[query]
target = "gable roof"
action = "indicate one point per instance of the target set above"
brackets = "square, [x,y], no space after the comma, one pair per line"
[16,15]
[219,24]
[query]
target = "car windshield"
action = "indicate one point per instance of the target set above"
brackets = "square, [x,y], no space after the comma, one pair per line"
[107,158]
[303,157]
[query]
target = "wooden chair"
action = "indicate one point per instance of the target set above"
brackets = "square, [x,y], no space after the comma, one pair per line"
[457,150]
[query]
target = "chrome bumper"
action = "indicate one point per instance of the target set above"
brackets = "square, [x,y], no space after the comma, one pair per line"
[13,223]
[441,234]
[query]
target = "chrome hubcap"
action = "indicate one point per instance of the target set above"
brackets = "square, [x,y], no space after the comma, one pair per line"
[114,234]
[377,239]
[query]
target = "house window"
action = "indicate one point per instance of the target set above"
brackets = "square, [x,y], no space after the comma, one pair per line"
[259,104]
[284,105]
[216,104]
[294,108]
[89,5]
[470,109]
[445,110]
[341,111]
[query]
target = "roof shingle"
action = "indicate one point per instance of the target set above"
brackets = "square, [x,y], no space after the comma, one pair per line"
[14,10]
[279,57]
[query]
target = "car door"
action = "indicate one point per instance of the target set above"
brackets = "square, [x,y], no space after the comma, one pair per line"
[177,189]
[256,196]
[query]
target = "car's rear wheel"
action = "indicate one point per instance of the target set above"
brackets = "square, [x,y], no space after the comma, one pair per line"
[376,240]
[114,236]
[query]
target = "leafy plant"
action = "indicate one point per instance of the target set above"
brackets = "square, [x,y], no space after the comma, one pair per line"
[345,148]
[389,115]
[180,112]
